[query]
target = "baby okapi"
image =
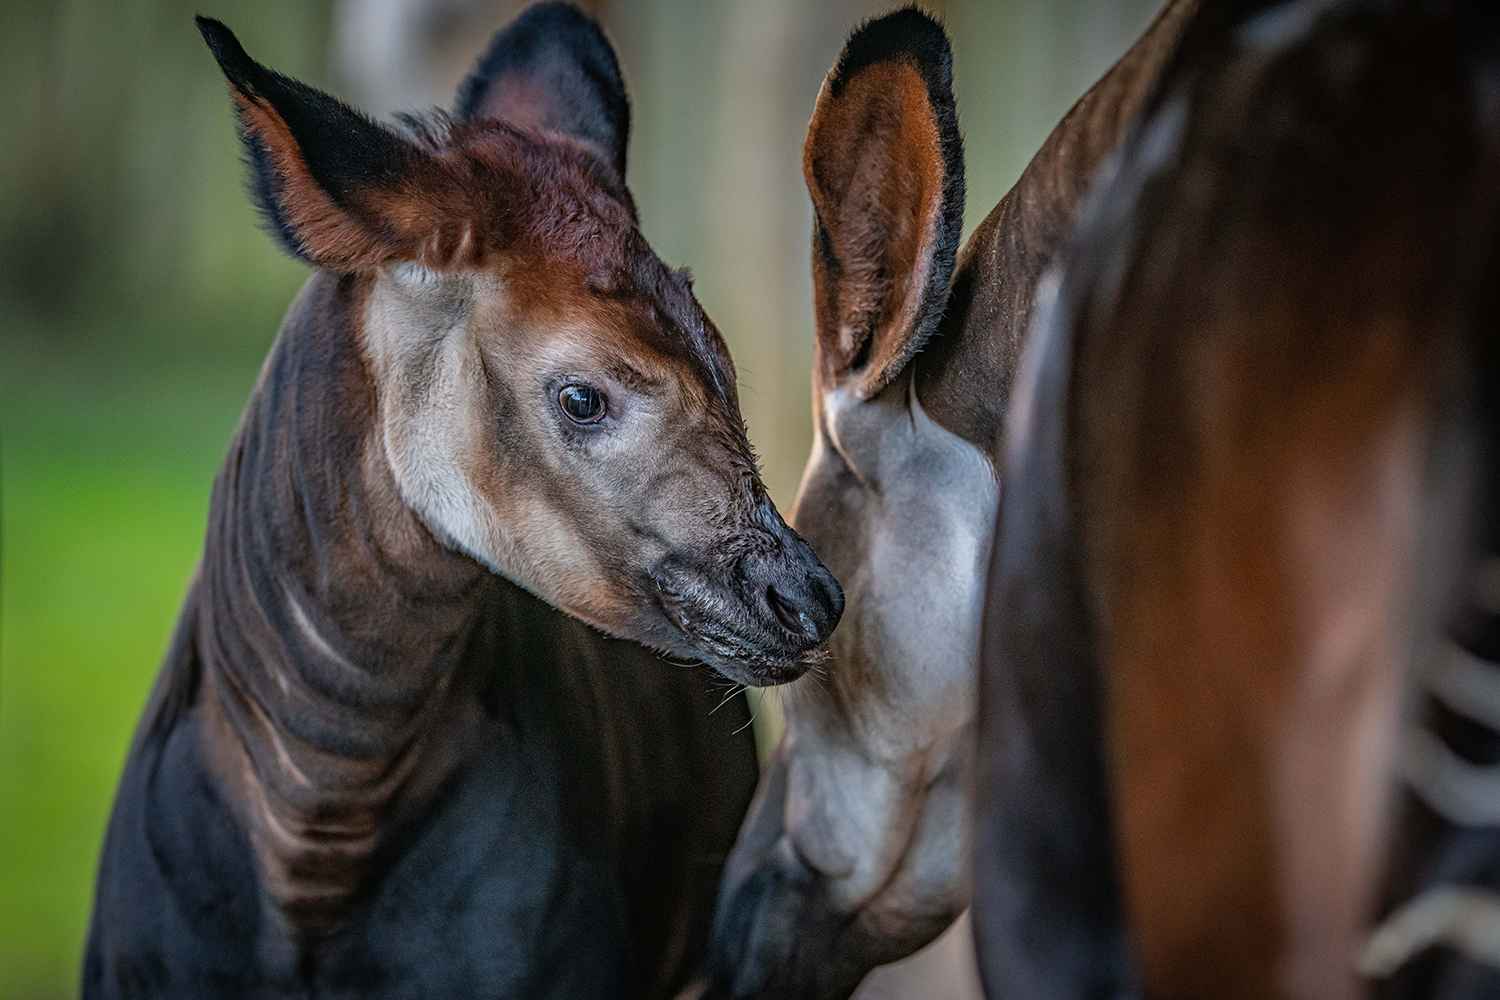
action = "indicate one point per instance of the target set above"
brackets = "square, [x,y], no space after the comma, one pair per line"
[1250,478]
[376,762]
[855,853]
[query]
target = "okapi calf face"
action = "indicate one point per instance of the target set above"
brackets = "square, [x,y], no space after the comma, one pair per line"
[552,399]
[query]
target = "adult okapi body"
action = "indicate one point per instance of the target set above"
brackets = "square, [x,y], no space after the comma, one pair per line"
[855,852]
[392,752]
[1250,502]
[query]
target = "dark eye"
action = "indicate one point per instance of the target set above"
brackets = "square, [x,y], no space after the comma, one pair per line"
[582,403]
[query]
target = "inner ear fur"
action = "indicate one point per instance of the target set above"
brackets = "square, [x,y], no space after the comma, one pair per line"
[329,181]
[553,70]
[883,162]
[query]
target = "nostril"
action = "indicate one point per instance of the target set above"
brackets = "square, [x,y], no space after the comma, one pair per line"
[787,616]
[833,596]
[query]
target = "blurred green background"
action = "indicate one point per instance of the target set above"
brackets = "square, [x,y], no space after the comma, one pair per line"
[138,296]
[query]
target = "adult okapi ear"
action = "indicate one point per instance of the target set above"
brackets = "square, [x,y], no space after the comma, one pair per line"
[884,165]
[552,70]
[328,179]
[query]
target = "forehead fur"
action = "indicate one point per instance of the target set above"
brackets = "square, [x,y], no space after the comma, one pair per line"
[563,226]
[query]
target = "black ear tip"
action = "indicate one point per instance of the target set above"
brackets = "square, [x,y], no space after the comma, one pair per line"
[561,19]
[541,28]
[227,51]
[560,22]
[559,11]
[908,33]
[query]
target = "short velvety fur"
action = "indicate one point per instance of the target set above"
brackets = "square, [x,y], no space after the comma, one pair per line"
[393,751]
[1238,490]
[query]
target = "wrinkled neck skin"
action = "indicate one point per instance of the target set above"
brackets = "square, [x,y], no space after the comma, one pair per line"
[331,626]
[865,798]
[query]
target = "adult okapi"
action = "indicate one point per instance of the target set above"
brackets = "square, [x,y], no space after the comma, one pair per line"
[378,763]
[1250,476]
[855,851]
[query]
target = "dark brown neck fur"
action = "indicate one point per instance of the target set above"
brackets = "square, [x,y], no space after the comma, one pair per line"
[331,626]
[965,373]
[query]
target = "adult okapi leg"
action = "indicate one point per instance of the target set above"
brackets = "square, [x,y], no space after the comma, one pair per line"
[1047,914]
[1268,307]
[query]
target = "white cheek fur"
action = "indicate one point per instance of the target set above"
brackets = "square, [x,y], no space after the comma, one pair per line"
[437,414]
[431,384]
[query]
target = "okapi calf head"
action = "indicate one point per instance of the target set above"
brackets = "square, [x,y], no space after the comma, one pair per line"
[552,400]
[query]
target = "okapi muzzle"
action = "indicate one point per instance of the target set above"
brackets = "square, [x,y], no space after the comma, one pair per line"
[551,398]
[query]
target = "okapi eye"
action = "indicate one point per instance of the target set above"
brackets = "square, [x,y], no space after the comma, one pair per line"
[582,403]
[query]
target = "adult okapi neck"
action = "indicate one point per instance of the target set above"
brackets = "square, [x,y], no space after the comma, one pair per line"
[999,268]
[331,625]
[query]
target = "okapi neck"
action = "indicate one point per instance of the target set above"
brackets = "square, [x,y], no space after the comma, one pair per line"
[332,626]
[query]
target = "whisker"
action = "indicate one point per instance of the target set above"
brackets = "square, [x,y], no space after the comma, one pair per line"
[734,689]
[748,724]
[819,679]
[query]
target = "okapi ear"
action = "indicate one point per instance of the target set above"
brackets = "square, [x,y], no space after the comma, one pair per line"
[884,165]
[323,174]
[552,70]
